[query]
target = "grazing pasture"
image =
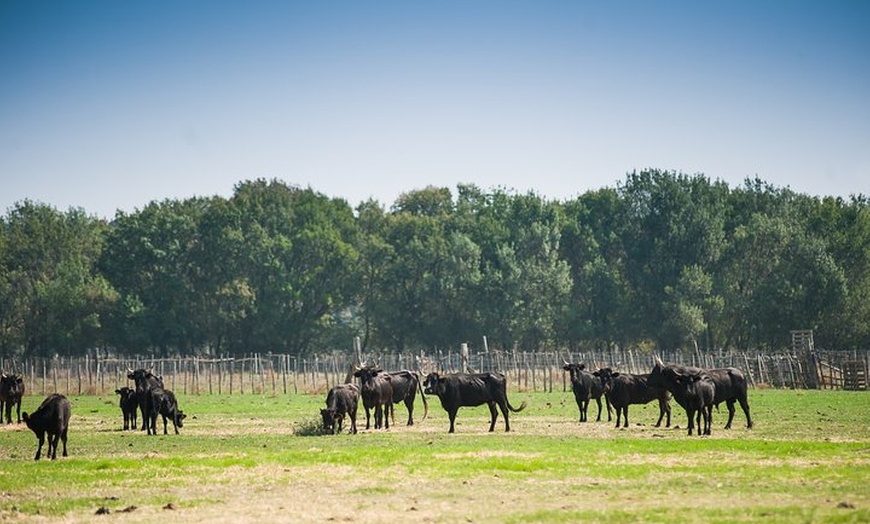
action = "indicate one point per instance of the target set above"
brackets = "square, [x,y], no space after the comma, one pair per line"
[238,460]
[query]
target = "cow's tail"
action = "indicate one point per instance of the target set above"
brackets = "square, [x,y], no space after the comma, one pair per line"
[423,396]
[516,410]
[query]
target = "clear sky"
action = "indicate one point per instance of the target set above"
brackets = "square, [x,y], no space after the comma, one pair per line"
[109,105]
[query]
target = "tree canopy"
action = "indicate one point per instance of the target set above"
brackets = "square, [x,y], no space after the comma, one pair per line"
[664,259]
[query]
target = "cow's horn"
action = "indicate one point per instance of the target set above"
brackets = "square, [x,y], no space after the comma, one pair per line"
[129,370]
[659,362]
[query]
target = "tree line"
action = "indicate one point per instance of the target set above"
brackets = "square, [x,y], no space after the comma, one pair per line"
[663,260]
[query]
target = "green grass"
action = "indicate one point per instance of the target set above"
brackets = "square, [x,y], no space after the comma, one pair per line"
[239,458]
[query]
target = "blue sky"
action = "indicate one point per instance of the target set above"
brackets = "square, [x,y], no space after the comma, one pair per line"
[110,105]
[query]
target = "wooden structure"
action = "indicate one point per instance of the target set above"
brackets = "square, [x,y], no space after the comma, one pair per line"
[855,375]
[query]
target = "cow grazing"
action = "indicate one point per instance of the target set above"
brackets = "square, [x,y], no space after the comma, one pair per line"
[11,391]
[472,389]
[128,404]
[163,403]
[405,385]
[377,394]
[340,401]
[625,389]
[730,387]
[52,417]
[586,386]
[144,381]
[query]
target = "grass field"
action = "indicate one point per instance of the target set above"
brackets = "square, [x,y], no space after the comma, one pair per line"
[239,459]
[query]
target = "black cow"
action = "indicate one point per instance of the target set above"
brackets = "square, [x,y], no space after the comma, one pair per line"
[163,403]
[405,385]
[692,388]
[340,401]
[698,391]
[144,381]
[472,389]
[11,391]
[730,387]
[52,417]
[377,394]
[625,389]
[586,386]
[128,404]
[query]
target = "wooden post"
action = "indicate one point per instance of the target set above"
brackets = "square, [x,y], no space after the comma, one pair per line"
[284,373]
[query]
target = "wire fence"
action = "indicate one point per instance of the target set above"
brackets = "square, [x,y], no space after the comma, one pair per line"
[278,374]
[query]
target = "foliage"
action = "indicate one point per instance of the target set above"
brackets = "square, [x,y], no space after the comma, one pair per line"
[664,260]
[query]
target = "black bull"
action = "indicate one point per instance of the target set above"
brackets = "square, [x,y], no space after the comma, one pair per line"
[145,381]
[730,386]
[405,386]
[472,389]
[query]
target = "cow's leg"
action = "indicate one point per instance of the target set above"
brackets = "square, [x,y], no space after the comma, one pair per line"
[18,411]
[452,416]
[63,439]
[598,400]
[52,445]
[352,414]
[41,439]
[164,424]
[143,409]
[409,404]
[625,416]
[609,406]
[368,416]
[661,415]
[744,405]
[8,413]
[618,415]
[690,412]
[379,416]
[708,428]
[504,412]
[388,407]
[493,415]
[730,404]
[579,405]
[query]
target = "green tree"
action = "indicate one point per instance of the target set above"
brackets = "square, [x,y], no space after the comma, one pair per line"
[300,259]
[54,300]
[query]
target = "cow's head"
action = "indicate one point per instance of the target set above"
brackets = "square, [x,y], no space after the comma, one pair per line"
[367,374]
[11,385]
[605,376]
[179,418]
[434,384]
[573,369]
[328,416]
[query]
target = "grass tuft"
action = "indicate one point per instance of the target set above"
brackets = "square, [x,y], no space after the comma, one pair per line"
[309,428]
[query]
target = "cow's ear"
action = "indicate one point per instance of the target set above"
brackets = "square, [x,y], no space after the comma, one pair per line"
[615,374]
[597,374]
[566,367]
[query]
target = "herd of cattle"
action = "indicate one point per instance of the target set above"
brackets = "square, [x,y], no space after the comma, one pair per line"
[697,390]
